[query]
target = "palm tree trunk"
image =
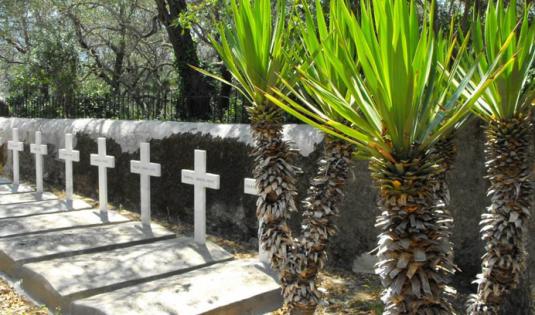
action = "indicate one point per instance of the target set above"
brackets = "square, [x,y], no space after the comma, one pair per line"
[413,245]
[320,210]
[504,225]
[445,152]
[275,179]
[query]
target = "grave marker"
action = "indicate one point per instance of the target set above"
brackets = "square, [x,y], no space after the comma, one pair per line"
[39,150]
[16,146]
[146,169]
[69,155]
[249,185]
[103,162]
[200,180]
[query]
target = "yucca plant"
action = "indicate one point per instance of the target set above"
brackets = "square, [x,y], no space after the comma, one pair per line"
[259,55]
[394,104]
[326,188]
[445,150]
[257,51]
[506,108]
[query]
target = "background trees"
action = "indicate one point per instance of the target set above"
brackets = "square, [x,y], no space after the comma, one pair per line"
[131,53]
[136,50]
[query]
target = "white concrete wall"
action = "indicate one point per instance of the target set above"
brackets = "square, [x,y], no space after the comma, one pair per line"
[128,134]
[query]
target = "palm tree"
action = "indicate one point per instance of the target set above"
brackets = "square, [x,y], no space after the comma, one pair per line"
[400,102]
[506,108]
[326,188]
[259,55]
[256,52]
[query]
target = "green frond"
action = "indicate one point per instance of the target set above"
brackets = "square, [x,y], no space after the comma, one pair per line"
[386,82]
[255,48]
[511,94]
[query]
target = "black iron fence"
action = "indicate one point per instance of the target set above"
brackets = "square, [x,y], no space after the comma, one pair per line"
[148,107]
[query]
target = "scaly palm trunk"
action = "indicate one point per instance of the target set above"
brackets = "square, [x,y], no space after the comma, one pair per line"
[413,244]
[504,226]
[275,178]
[320,210]
[445,151]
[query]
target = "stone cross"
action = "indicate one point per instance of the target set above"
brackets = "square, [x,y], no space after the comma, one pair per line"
[69,155]
[16,146]
[249,185]
[39,150]
[103,162]
[146,169]
[200,180]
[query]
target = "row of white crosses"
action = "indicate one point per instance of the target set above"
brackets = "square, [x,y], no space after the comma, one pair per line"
[198,177]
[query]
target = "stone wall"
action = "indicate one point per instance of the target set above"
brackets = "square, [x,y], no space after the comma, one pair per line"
[229,211]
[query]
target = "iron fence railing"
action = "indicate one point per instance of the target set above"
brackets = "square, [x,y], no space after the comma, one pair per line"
[150,107]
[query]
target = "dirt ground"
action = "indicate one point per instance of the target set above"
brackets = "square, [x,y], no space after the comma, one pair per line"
[11,303]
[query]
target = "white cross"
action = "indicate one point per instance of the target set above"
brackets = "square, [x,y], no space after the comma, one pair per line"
[15,145]
[249,187]
[69,155]
[200,180]
[39,150]
[103,162]
[146,169]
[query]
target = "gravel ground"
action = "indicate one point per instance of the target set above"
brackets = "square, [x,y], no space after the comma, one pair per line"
[12,303]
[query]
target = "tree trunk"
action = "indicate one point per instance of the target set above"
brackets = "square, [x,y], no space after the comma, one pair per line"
[275,179]
[445,153]
[195,91]
[504,225]
[321,208]
[413,245]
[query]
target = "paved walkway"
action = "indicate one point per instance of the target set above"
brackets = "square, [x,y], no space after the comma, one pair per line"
[82,261]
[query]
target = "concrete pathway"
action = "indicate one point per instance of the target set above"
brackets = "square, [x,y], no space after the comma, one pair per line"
[57,221]
[11,189]
[16,251]
[40,207]
[14,198]
[83,262]
[203,291]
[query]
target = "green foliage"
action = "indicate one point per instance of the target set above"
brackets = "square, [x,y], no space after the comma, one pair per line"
[254,49]
[397,99]
[52,69]
[511,94]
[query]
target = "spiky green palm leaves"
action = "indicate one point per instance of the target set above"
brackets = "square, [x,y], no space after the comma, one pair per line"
[255,50]
[506,108]
[258,54]
[394,104]
[326,188]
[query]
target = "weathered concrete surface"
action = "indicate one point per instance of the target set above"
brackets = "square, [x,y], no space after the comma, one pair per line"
[13,189]
[26,197]
[231,288]
[59,281]
[57,221]
[40,207]
[16,251]
[128,134]
[365,263]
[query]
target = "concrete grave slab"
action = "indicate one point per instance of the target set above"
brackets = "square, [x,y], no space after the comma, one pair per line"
[16,251]
[58,282]
[26,197]
[13,189]
[231,288]
[57,221]
[40,207]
